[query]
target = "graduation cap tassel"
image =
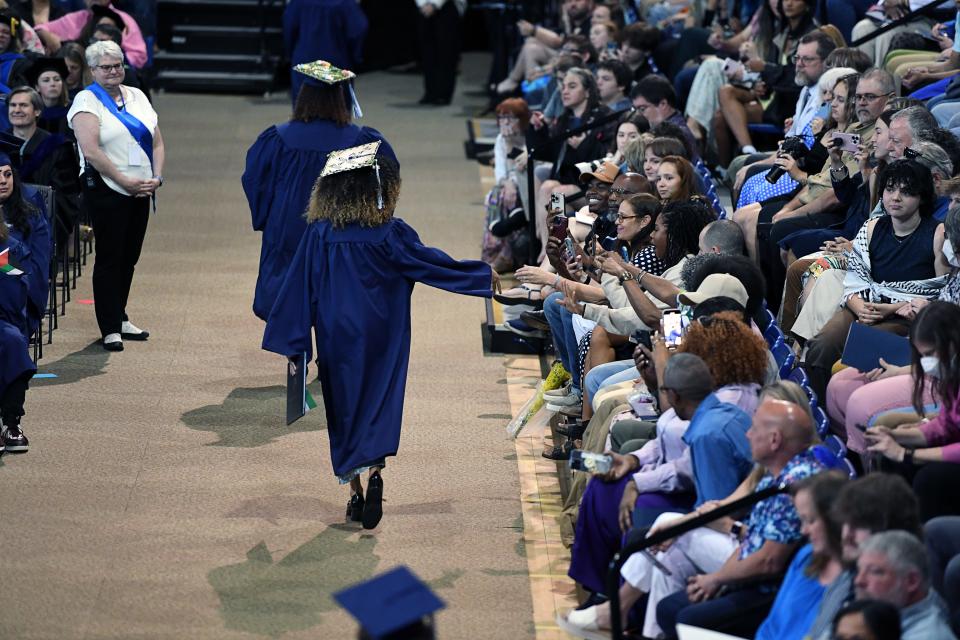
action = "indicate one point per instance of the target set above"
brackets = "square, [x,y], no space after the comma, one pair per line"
[376,169]
[357,111]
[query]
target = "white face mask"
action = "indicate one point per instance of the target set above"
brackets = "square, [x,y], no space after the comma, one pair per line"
[949,254]
[930,366]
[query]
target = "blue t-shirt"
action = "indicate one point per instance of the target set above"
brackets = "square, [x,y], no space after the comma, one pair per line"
[719,450]
[797,603]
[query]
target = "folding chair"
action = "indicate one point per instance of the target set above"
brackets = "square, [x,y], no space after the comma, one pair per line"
[822,421]
[46,194]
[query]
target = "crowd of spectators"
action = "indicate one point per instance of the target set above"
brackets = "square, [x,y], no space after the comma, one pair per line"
[703,342]
[62,149]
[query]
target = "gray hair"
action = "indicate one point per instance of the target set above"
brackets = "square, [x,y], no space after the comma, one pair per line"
[633,155]
[726,236]
[34,95]
[903,551]
[689,376]
[829,80]
[920,121]
[883,78]
[933,157]
[104,48]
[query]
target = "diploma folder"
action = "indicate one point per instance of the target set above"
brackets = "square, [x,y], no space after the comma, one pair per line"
[296,388]
[866,345]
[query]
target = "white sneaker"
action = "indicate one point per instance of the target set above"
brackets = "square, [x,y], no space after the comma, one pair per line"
[572,399]
[131,331]
[557,393]
[113,342]
[583,624]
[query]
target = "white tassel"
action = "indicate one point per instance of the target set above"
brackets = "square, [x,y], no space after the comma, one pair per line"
[357,112]
[376,169]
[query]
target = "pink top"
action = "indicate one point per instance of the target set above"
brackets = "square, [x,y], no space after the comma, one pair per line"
[944,431]
[69,27]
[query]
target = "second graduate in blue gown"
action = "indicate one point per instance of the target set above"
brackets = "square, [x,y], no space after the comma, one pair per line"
[282,166]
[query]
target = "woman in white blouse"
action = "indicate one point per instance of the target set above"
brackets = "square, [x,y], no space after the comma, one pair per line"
[121,158]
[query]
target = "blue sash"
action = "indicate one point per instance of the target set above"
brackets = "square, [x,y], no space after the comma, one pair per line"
[137,129]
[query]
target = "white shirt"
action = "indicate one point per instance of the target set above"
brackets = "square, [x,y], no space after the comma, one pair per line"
[803,117]
[115,140]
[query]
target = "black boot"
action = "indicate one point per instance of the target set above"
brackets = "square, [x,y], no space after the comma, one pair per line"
[373,507]
[355,507]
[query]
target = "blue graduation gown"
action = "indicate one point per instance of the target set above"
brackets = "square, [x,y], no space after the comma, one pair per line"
[14,333]
[37,264]
[331,30]
[353,287]
[282,167]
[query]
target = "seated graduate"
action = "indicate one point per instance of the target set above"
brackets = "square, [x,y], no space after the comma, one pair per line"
[350,282]
[21,209]
[48,77]
[16,367]
[44,158]
[284,162]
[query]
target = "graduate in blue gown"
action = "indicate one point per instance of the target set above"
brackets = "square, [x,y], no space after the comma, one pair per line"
[350,285]
[22,209]
[283,165]
[16,367]
[332,30]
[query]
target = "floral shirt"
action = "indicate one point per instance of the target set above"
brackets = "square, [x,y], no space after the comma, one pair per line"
[775,519]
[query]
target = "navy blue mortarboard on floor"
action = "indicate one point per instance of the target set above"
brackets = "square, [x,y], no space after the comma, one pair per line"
[389,602]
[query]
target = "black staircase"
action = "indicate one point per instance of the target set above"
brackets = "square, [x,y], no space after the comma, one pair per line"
[219,45]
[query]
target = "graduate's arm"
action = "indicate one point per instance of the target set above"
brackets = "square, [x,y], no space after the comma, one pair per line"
[433,267]
[257,181]
[356,32]
[291,319]
[291,24]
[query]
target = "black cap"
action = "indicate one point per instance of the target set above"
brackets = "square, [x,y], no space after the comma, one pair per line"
[46,64]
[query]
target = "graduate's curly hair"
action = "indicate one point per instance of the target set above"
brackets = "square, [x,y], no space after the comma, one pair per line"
[734,353]
[351,196]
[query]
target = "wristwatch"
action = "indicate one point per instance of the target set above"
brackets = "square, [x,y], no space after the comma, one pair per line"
[908,457]
[737,529]
[623,277]
[160,178]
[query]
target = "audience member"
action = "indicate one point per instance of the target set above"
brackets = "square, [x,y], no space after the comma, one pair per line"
[439,27]
[893,567]
[71,26]
[867,620]
[16,366]
[118,183]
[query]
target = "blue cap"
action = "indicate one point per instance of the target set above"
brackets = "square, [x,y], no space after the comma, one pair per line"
[389,602]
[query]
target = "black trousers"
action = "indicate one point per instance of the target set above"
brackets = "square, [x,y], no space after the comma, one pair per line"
[12,399]
[119,224]
[440,52]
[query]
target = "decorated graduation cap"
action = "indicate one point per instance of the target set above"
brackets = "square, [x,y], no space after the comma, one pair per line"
[391,602]
[354,159]
[43,64]
[320,72]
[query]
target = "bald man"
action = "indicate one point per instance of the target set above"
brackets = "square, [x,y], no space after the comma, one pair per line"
[726,551]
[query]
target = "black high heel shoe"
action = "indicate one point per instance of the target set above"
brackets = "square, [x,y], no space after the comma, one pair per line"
[355,507]
[373,507]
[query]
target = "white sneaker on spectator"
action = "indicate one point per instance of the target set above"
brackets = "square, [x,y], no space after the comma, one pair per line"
[570,400]
[557,393]
[583,624]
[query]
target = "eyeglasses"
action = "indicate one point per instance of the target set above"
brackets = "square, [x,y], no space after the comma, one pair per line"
[869,97]
[110,67]
[621,218]
[623,192]
[804,59]
[910,154]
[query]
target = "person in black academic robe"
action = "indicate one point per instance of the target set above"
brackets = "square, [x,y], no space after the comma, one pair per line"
[282,167]
[16,366]
[331,30]
[49,159]
[350,285]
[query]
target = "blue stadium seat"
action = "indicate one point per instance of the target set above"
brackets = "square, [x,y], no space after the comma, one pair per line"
[765,129]
[766,318]
[836,445]
[785,358]
[773,335]
[851,471]
[822,421]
